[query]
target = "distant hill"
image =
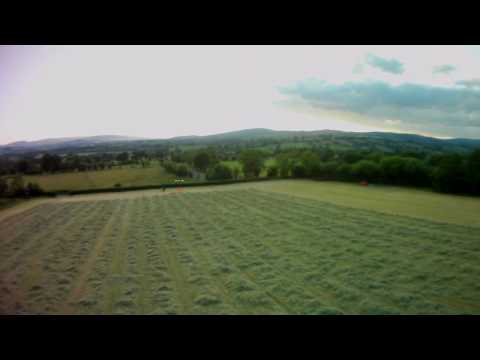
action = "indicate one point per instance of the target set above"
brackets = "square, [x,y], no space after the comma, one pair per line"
[68,142]
[252,134]
[382,141]
[267,138]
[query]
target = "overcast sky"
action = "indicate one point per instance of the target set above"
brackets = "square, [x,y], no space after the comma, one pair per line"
[166,91]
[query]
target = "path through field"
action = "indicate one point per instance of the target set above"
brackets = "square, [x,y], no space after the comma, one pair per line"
[242,251]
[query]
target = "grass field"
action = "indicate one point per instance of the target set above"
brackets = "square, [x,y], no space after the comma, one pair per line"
[239,250]
[410,202]
[126,176]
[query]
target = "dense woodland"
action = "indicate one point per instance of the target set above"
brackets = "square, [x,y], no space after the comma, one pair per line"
[455,170]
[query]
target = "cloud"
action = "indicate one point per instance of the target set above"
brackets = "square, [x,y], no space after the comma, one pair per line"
[443,69]
[408,107]
[358,69]
[391,66]
[473,83]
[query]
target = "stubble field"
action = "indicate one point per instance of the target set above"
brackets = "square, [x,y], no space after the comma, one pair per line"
[241,251]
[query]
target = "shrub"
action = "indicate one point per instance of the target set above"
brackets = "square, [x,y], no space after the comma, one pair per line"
[18,186]
[33,189]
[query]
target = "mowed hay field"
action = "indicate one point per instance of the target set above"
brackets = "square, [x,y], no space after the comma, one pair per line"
[395,200]
[239,250]
[126,176]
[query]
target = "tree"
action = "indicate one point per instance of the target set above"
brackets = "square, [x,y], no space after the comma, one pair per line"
[219,172]
[252,161]
[299,170]
[328,169]
[451,175]
[284,163]
[23,166]
[405,171]
[391,168]
[311,162]
[416,172]
[272,171]
[366,170]
[201,161]
[327,154]
[51,163]
[236,172]
[344,172]
[473,172]
[123,157]
[352,156]
[18,186]
[3,187]
[138,155]
[182,170]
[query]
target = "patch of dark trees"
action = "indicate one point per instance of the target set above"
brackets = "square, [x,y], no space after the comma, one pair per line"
[446,172]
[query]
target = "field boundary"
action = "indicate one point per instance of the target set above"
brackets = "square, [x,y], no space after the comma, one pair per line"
[161,186]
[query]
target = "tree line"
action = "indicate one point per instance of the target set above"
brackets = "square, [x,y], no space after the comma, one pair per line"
[15,187]
[457,173]
[443,172]
[53,163]
[449,173]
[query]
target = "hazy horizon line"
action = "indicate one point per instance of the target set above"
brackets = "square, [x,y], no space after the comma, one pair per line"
[226,132]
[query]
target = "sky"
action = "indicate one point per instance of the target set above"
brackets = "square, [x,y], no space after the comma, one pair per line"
[167,91]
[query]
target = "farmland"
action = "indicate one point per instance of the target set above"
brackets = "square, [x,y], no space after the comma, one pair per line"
[126,176]
[283,247]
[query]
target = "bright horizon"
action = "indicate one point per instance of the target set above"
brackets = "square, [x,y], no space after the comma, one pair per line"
[168,91]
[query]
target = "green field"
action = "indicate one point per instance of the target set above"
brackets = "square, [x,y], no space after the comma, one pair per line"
[283,247]
[424,204]
[126,176]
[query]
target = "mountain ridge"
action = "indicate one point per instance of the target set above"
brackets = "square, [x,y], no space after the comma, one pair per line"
[354,139]
[47,141]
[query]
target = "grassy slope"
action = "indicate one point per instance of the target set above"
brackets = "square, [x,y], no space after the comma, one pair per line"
[424,204]
[239,252]
[127,176]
